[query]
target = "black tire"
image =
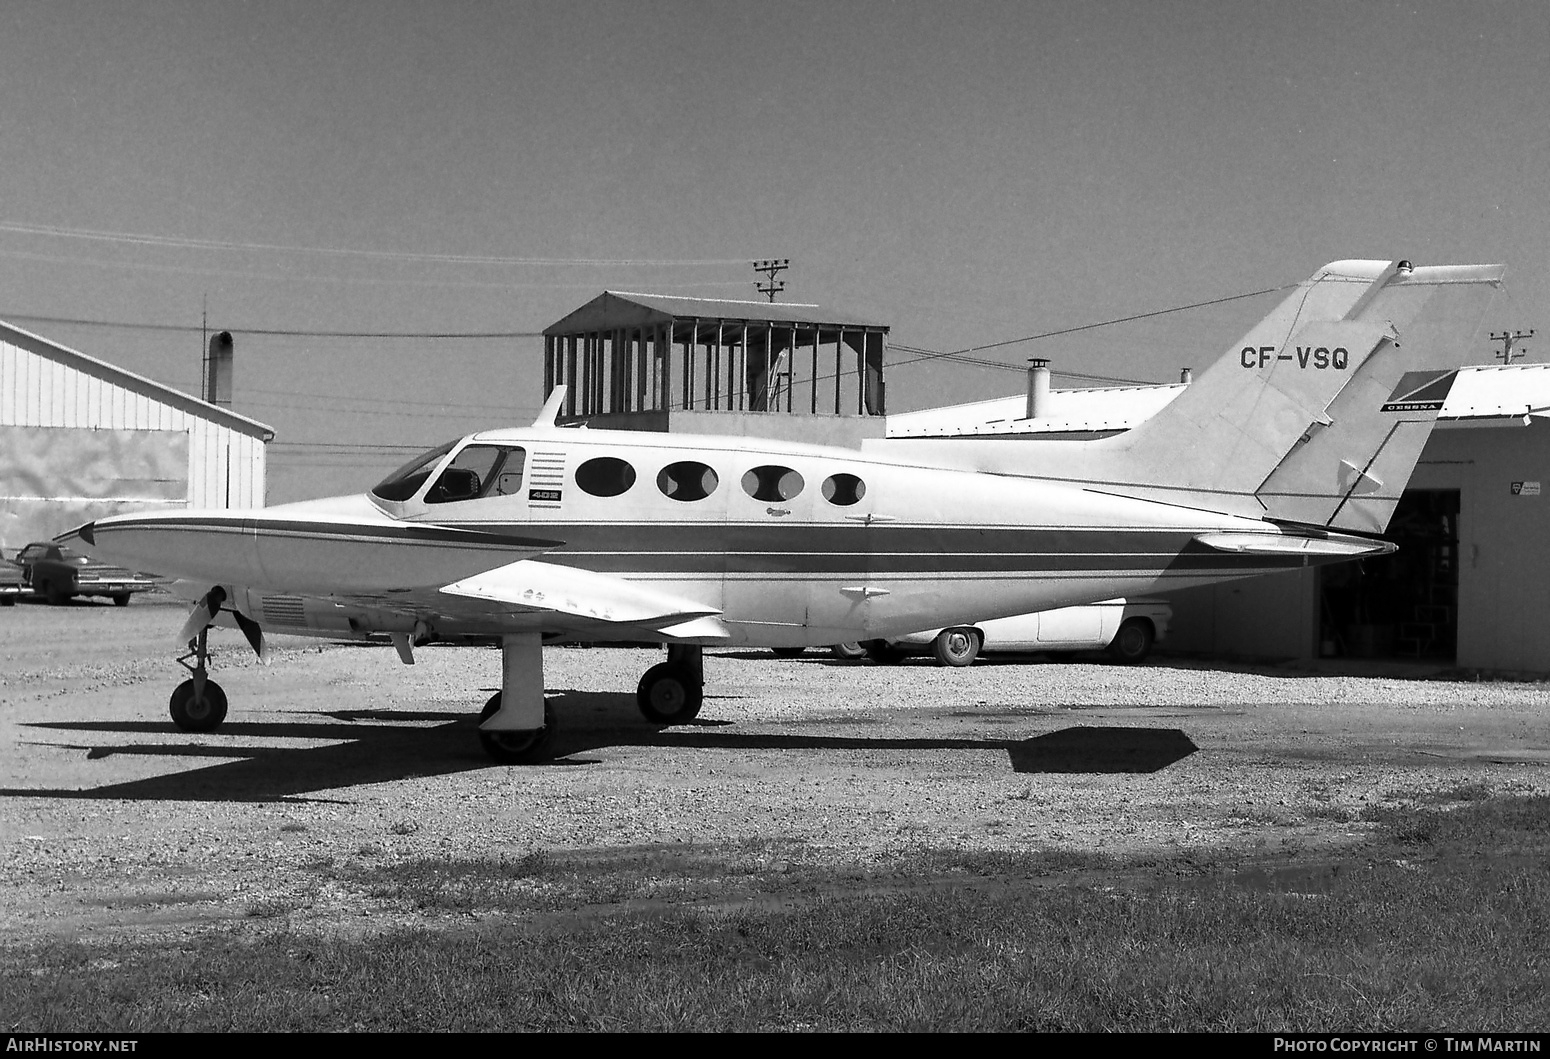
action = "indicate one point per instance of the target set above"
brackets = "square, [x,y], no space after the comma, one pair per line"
[52,593]
[668,695]
[1133,642]
[848,652]
[882,652]
[121,600]
[7,601]
[957,646]
[788,652]
[191,715]
[516,748]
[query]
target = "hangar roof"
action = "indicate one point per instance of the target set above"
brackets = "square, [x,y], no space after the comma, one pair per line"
[1480,393]
[622,309]
[1069,411]
[1499,391]
[128,380]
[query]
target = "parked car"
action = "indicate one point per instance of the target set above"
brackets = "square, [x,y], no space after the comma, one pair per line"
[57,573]
[845,652]
[1126,629]
[11,587]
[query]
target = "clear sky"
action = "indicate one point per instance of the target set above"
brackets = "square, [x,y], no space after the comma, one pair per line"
[968,172]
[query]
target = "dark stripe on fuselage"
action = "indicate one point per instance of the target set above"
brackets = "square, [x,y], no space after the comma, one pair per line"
[708,549]
[308,529]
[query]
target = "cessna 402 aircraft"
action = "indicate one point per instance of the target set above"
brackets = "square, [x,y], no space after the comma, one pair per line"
[1284,453]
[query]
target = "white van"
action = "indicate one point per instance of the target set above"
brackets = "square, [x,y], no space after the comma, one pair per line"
[1126,629]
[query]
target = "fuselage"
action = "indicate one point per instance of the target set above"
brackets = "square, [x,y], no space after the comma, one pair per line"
[788,544]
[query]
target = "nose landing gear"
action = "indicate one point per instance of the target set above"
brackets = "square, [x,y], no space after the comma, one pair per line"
[198,704]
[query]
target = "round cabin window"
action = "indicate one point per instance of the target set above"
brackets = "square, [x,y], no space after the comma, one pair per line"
[843,490]
[605,476]
[687,481]
[772,484]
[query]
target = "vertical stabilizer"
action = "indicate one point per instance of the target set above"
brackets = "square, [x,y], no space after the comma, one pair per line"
[1292,420]
[1349,473]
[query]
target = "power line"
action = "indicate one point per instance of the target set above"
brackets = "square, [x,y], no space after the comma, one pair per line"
[269,331]
[180,242]
[960,353]
[296,277]
[386,400]
[929,354]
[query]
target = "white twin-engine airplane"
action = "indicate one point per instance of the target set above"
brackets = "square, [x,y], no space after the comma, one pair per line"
[1293,444]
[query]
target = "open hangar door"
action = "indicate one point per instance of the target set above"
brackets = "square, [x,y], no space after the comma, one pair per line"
[1403,605]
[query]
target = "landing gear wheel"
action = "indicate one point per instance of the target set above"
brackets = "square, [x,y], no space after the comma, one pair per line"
[1133,642]
[788,652]
[848,652]
[668,695]
[882,652]
[956,647]
[516,748]
[202,713]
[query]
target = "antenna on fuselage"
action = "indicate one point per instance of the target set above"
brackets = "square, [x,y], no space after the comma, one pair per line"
[551,410]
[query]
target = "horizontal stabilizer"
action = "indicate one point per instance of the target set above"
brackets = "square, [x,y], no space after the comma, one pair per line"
[529,585]
[1288,544]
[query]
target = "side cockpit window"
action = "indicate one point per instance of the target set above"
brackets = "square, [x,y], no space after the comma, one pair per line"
[479,471]
[406,481]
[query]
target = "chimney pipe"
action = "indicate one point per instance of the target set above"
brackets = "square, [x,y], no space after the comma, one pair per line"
[1186,375]
[218,369]
[1038,388]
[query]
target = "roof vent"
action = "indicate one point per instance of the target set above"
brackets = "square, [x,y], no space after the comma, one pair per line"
[1038,388]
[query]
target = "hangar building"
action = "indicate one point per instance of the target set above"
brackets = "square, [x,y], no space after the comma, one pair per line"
[80,439]
[1468,585]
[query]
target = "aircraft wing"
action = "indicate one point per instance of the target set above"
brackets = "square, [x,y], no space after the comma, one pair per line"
[526,596]
[567,593]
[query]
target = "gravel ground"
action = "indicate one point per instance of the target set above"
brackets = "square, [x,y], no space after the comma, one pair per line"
[113,821]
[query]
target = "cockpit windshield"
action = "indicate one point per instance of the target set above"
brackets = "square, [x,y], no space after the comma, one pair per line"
[477,471]
[406,481]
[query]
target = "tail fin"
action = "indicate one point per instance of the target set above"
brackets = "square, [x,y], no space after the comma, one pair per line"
[1248,437]
[1349,473]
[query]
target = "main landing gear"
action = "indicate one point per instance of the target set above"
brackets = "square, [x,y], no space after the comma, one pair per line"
[516,726]
[673,691]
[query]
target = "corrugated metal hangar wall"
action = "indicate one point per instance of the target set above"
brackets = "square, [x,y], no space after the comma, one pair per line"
[80,439]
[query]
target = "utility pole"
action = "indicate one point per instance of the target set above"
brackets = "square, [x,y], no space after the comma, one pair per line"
[772,268]
[1508,340]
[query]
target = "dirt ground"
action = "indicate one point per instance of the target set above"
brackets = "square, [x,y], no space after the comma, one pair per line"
[113,821]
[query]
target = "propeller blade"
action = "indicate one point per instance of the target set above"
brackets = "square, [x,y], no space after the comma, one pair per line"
[254,633]
[202,615]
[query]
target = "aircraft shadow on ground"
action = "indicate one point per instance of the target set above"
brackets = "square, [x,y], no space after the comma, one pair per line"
[377,746]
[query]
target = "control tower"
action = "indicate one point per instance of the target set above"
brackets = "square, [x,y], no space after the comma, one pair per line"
[706,366]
